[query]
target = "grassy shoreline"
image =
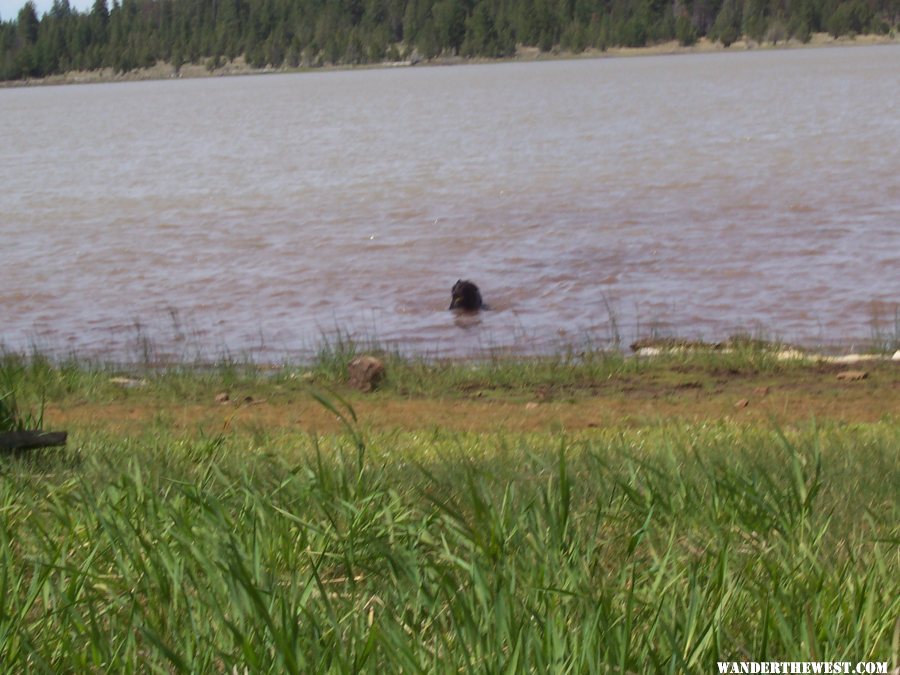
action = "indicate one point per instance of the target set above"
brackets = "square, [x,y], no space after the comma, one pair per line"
[164,71]
[465,516]
[752,382]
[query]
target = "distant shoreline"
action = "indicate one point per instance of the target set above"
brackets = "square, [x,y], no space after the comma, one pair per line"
[165,71]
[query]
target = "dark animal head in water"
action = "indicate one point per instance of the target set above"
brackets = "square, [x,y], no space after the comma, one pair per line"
[465,296]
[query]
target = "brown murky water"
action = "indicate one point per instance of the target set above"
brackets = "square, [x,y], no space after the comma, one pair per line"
[695,195]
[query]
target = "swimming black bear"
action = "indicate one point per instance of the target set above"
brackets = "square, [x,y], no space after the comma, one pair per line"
[466,296]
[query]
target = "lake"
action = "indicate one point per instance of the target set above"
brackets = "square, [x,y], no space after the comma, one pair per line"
[593,201]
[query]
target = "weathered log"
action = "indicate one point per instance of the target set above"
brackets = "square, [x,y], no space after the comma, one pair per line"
[14,441]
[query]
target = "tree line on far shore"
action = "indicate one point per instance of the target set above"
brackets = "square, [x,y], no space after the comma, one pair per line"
[138,33]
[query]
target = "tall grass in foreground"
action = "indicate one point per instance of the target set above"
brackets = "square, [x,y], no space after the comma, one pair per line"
[649,551]
[13,417]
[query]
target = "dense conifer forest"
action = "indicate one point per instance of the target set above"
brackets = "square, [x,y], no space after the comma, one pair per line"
[137,33]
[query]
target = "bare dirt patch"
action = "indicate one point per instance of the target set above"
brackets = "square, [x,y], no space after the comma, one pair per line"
[784,398]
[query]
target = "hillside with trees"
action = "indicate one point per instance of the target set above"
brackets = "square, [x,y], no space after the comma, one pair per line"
[138,33]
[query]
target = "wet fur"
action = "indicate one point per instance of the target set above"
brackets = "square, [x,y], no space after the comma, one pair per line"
[466,296]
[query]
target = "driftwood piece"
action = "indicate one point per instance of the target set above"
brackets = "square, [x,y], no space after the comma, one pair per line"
[15,441]
[852,375]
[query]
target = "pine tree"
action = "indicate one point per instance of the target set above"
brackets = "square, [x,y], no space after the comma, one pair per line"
[135,33]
